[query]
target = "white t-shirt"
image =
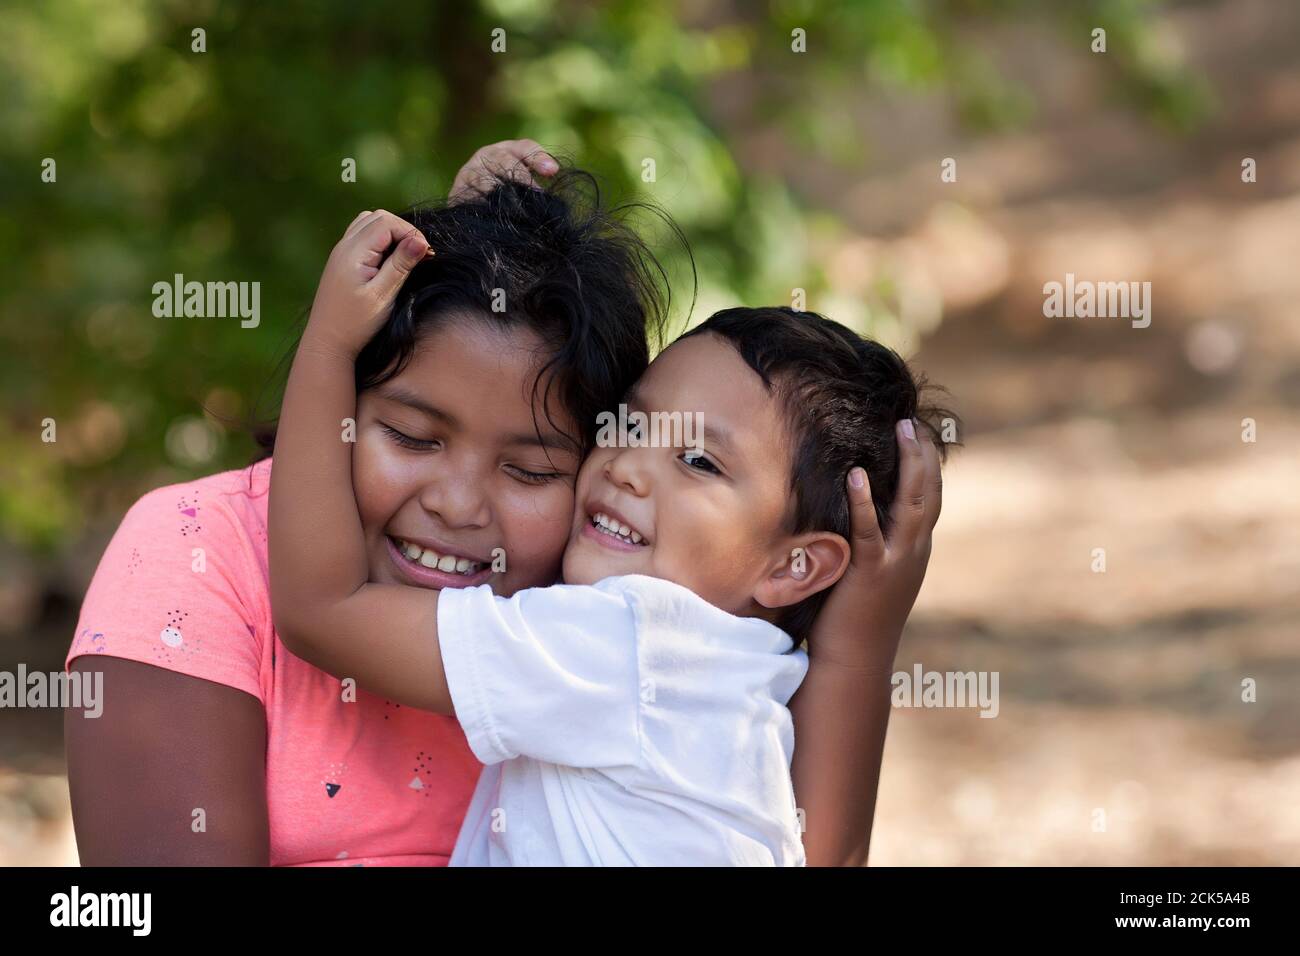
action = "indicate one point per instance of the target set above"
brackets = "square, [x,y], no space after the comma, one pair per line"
[627,723]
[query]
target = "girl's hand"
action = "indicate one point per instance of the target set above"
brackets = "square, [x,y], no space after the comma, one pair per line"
[862,620]
[360,281]
[517,159]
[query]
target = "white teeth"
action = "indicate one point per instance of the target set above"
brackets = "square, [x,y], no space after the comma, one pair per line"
[433,560]
[616,528]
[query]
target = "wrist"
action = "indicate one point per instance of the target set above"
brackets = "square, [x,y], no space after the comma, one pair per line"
[873,656]
[317,339]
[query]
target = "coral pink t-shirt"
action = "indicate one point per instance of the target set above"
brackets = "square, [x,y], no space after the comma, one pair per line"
[183,585]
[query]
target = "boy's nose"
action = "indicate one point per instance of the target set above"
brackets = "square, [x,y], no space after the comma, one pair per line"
[630,468]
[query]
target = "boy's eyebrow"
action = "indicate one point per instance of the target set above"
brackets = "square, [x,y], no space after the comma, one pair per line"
[719,437]
[713,434]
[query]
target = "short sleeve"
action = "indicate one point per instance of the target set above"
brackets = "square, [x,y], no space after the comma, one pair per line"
[550,673]
[179,587]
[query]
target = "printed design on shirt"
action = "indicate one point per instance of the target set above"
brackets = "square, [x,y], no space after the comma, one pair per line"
[422,782]
[389,705]
[189,509]
[333,779]
[173,644]
[133,561]
[89,642]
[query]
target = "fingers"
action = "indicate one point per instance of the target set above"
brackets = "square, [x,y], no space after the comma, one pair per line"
[532,155]
[410,252]
[518,160]
[368,243]
[933,484]
[513,159]
[908,512]
[378,232]
[355,226]
[867,541]
[376,237]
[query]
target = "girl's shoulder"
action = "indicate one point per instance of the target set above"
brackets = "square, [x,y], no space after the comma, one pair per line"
[183,584]
[212,507]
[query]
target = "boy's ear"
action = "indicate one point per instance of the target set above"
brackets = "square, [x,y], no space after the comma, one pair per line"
[814,562]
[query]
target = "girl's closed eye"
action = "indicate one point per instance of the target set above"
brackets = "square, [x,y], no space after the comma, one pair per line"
[407,441]
[532,477]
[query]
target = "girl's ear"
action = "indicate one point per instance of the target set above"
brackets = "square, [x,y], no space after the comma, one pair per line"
[813,563]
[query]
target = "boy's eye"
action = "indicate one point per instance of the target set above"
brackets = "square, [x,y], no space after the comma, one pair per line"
[696,460]
[406,441]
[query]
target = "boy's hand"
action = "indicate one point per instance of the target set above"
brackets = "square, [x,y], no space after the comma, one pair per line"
[862,621]
[517,159]
[360,281]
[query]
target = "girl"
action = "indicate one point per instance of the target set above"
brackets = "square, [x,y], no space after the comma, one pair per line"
[217,746]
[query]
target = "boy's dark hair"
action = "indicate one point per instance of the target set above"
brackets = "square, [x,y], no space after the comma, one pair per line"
[842,395]
[562,265]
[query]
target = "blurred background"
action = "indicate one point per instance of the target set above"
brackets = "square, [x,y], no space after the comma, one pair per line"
[816,170]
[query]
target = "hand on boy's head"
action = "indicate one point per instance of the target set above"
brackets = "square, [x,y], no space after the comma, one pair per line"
[518,160]
[361,279]
[863,618]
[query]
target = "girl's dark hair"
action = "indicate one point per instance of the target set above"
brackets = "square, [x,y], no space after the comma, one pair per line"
[842,395]
[551,259]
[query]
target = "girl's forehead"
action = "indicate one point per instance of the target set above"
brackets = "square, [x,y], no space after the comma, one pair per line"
[466,330]
[484,382]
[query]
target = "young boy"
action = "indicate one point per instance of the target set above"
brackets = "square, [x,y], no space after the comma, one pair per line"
[637,713]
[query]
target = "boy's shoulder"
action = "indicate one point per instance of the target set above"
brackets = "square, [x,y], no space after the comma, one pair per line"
[658,603]
[663,611]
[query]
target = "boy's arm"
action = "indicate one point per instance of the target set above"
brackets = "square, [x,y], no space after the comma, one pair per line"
[383,636]
[841,711]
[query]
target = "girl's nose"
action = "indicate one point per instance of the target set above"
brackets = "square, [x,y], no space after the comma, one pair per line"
[459,501]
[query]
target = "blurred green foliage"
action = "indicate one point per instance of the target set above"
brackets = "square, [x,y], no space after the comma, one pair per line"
[226,165]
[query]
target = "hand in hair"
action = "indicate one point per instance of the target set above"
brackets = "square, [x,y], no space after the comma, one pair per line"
[862,621]
[841,710]
[362,276]
[511,159]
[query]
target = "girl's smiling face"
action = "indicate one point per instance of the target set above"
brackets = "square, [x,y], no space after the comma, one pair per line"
[449,466]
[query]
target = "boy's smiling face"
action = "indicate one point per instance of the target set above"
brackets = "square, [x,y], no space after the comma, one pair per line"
[714,518]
